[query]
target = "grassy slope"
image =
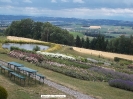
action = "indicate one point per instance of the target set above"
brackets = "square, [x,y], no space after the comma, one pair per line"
[33,92]
[98,89]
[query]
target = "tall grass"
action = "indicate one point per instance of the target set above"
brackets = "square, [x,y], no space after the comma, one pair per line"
[2,40]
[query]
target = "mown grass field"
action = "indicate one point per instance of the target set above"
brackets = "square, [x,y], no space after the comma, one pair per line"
[100,90]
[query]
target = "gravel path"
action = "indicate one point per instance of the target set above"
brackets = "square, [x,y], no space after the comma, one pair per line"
[69,91]
[62,88]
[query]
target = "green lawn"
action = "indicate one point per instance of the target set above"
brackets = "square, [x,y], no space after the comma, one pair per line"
[97,89]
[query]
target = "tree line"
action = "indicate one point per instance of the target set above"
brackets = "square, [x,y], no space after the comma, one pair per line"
[50,33]
[40,31]
[122,44]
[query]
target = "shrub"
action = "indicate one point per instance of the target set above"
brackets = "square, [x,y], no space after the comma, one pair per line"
[116,59]
[130,66]
[23,50]
[122,84]
[3,93]
[113,74]
[36,48]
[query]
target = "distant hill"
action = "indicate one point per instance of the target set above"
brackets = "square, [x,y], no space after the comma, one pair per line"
[66,21]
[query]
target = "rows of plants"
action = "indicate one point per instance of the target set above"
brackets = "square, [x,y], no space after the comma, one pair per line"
[62,56]
[72,68]
[57,55]
[122,84]
[112,74]
[70,63]
[74,72]
[29,57]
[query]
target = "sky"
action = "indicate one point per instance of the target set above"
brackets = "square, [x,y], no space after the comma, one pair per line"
[84,9]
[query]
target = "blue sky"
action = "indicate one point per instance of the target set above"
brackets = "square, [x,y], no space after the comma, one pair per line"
[85,9]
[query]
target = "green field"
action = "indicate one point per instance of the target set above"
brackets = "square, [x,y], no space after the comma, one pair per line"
[77,33]
[106,30]
[109,29]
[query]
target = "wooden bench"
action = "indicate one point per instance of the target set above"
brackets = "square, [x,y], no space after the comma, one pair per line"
[40,77]
[18,75]
[5,68]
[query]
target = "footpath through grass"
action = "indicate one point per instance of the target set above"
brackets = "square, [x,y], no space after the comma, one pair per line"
[100,90]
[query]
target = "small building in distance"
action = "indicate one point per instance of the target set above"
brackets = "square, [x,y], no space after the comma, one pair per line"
[95,27]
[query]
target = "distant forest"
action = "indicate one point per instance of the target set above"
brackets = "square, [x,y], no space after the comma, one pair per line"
[50,33]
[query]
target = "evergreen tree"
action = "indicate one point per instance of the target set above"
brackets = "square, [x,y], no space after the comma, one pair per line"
[87,43]
[78,42]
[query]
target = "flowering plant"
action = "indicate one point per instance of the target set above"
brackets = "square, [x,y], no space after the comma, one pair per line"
[30,57]
[57,55]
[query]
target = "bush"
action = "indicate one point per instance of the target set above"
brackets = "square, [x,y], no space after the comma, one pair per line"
[111,74]
[116,59]
[122,84]
[3,93]
[36,48]
[130,66]
[22,50]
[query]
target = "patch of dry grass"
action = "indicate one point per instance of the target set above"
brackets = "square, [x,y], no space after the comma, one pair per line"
[14,38]
[103,54]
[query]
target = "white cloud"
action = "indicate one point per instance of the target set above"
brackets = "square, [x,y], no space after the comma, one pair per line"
[78,1]
[7,1]
[53,1]
[64,0]
[73,12]
[27,1]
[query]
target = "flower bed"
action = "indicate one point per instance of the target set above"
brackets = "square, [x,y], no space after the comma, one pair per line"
[74,72]
[30,57]
[62,56]
[56,55]
[111,74]
[122,84]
